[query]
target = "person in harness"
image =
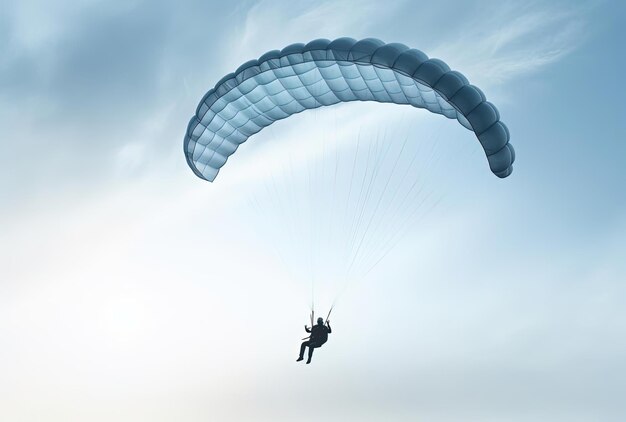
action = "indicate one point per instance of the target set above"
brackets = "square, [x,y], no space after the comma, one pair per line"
[319,336]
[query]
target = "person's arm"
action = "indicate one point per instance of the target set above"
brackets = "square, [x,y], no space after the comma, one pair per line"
[307,329]
[329,329]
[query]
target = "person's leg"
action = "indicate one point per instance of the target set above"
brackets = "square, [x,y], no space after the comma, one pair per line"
[310,353]
[302,347]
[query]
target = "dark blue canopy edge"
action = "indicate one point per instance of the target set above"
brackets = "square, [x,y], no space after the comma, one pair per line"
[324,72]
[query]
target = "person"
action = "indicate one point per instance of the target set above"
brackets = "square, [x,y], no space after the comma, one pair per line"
[319,336]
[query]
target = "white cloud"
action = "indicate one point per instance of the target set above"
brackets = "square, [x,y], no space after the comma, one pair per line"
[150,298]
[275,24]
[512,40]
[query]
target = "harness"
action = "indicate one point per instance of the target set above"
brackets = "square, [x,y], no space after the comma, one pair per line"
[324,325]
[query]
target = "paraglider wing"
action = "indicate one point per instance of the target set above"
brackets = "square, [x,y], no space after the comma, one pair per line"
[322,73]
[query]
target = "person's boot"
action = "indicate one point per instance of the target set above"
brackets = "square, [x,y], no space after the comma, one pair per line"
[299,359]
[308,361]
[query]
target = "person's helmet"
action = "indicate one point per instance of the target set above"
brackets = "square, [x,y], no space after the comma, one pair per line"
[320,321]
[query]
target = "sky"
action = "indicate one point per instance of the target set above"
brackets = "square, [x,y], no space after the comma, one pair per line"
[131,290]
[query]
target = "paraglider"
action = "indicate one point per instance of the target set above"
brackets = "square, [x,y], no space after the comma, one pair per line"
[321,73]
[302,77]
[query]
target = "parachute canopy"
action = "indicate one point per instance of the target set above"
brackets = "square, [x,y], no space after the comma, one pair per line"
[321,73]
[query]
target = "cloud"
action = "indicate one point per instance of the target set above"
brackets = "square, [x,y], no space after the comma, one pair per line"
[74,94]
[141,292]
[512,40]
[274,25]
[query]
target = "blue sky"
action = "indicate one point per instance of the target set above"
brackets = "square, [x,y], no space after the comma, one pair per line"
[132,290]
